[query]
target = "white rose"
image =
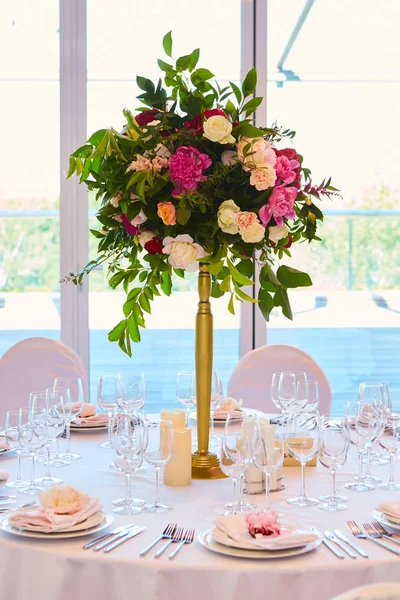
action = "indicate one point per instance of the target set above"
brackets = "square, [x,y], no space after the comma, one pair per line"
[144,237]
[229,158]
[253,235]
[183,252]
[218,129]
[227,217]
[276,233]
[255,153]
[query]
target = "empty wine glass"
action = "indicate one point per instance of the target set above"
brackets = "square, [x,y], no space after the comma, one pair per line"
[307,394]
[268,451]
[72,410]
[378,458]
[32,437]
[332,453]
[40,453]
[128,439]
[159,451]
[236,453]
[287,391]
[216,397]
[372,393]
[63,396]
[55,425]
[302,442]
[390,440]
[185,394]
[107,395]
[11,431]
[131,390]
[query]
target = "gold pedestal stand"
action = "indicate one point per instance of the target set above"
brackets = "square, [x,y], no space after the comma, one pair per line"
[204,464]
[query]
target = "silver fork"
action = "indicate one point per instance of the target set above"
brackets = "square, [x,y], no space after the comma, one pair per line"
[177,537]
[371,531]
[167,533]
[3,510]
[187,539]
[356,531]
[384,532]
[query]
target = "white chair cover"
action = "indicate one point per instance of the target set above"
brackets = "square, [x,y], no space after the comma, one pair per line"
[32,365]
[376,591]
[251,378]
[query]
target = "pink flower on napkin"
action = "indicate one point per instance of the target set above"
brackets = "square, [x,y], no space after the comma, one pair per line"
[265,523]
[63,500]
[88,410]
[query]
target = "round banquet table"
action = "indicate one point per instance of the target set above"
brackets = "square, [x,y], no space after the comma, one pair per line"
[60,569]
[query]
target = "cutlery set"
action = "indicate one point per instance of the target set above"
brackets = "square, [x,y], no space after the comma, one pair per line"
[114,538]
[174,535]
[341,546]
[4,510]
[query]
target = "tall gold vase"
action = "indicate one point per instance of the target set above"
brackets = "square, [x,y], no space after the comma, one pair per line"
[205,465]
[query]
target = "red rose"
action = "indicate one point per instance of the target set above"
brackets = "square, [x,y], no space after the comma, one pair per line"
[290,153]
[197,122]
[146,117]
[290,242]
[154,246]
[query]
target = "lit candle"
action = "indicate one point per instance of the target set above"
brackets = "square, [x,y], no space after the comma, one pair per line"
[178,471]
[177,417]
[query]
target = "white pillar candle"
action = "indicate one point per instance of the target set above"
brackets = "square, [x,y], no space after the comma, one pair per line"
[177,416]
[178,471]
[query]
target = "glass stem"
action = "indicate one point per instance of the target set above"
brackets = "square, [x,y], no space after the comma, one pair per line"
[303,481]
[360,456]
[48,460]
[391,476]
[19,476]
[110,416]
[33,470]
[368,473]
[241,481]
[68,440]
[157,502]
[187,416]
[128,489]
[333,474]
[267,486]
[234,503]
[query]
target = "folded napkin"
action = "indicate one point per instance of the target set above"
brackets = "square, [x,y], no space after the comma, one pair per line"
[3,476]
[100,419]
[223,414]
[3,444]
[47,522]
[391,509]
[236,528]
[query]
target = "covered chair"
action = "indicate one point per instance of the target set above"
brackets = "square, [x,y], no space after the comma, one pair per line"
[251,378]
[32,365]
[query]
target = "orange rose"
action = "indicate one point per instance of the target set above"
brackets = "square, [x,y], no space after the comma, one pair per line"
[166,212]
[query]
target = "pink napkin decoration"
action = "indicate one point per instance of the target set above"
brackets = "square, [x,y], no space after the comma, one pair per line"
[3,475]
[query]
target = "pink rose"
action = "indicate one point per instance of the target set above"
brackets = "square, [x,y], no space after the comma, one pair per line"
[167,213]
[280,204]
[264,523]
[286,169]
[139,219]
[246,220]
[187,166]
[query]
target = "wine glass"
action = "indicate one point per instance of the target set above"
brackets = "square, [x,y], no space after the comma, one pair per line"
[11,431]
[236,452]
[390,440]
[185,393]
[131,392]
[107,394]
[268,451]
[159,451]
[216,397]
[332,453]
[302,443]
[307,394]
[247,423]
[372,393]
[63,396]
[54,426]
[32,436]
[128,439]
[39,454]
[378,458]
[72,410]
[287,391]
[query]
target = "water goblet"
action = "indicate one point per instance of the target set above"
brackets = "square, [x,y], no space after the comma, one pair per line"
[307,395]
[268,451]
[235,454]
[72,410]
[378,458]
[32,437]
[216,397]
[128,439]
[131,392]
[63,399]
[332,453]
[107,394]
[159,451]
[287,390]
[39,454]
[371,392]
[390,440]
[302,443]
[54,426]
[185,392]
[13,442]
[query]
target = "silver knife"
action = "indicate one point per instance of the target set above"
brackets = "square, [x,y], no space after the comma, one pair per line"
[332,537]
[107,535]
[342,537]
[124,539]
[328,544]
[116,536]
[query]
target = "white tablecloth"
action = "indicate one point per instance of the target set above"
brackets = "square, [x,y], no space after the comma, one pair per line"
[60,569]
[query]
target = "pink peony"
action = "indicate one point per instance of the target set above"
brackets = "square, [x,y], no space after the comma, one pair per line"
[262,522]
[286,169]
[280,204]
[129,227]
[62,500]
[186,169]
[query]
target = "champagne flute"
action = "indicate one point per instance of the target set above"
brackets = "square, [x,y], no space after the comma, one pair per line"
[107,394]
[185,393]
[73,410]
[131,392]
[32,436]
[159,451]
[268,451]
[302,442]
[12,439]
[332,453]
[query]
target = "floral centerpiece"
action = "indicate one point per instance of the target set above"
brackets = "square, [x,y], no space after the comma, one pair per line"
[191,180]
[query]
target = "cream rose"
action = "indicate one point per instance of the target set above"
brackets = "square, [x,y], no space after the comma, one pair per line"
[227,217]
[183,252]
[276,233]
[254,153]
[263,178]
[228,404]
[62,500]
[229,158]
[218,129]
[253,235]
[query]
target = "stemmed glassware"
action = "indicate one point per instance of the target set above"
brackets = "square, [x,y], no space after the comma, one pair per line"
[216,397]
[332,453]
[128,439]
[268,451]
[159,451]
[390,440]
[185,393]
[307,394]
[287,389]
[72,410]
[107,394]
[372,393]
[32,436]
[236,454]
[11,430]
[54,426]
[302,443]
[63,400]
[131,392]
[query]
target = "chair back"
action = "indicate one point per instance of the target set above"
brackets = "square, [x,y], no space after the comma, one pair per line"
[375,591]
[32,365]
[251,378]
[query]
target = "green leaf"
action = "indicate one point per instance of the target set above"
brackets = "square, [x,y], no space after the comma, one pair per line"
[133,293]
[183,215]
[167,43]
[237,275]
[267,274]
[244,296]
[72,163]
[133,329]
[180,273]
[194,59]
[116,279]
[166,283]
[144,303]
[281,299]
[145,84]
[215,267]
[265,303]
[230,107]
[246,267]
[118,330]
[183,62]
[231,305]
[225,284]
[216,291]
[249,83]
[201,75]
[163,65]
[236,91]
[248,131]
[251,105]
[291,278]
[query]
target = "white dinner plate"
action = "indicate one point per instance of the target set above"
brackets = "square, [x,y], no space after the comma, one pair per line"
[105,522]
[94,427]
[205,539]
[220,537]
[386,520]
[246,411]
